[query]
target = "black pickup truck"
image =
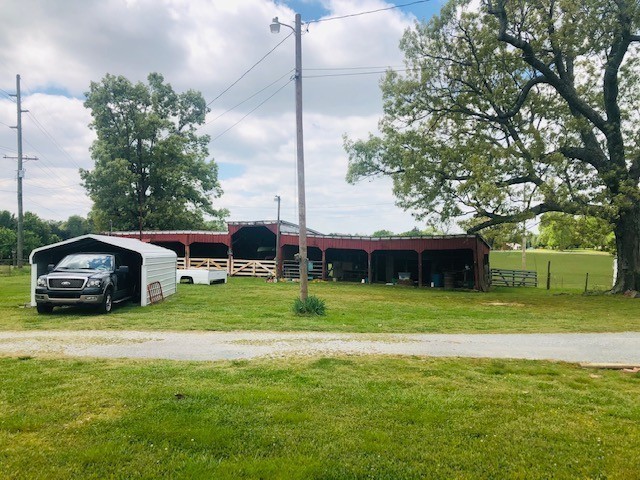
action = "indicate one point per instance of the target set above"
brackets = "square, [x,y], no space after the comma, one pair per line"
[97,279]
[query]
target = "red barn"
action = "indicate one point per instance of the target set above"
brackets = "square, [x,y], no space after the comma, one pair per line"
[249,248]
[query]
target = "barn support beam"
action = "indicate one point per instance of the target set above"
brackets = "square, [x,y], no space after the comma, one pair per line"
[369,269]
[187,255]
[324,264]
[420,279]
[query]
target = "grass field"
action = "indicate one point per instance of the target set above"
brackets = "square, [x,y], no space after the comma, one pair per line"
[253,304]
[568,269]
[345,417]
[329,418]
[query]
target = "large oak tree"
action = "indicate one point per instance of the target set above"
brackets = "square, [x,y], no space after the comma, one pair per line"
[151,168]
[514,109]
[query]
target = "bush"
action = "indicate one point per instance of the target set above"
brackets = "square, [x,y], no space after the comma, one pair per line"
[311,306]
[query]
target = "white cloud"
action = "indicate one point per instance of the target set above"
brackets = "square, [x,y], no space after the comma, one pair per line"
[60,47]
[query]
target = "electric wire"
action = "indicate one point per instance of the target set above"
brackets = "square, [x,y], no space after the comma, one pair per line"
[41,127]
[251,68]
[247,99]
[353,74]
[8,95]
[367,12]
[44,164]
[251,111]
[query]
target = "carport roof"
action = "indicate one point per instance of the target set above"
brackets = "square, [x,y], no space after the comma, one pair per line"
[146,250]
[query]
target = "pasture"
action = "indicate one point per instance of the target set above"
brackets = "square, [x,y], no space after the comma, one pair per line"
[341,417]
[253,304]
[568,268]
[321,417]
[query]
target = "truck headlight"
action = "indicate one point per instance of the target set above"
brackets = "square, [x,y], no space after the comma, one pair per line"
[42,281]
[94,283]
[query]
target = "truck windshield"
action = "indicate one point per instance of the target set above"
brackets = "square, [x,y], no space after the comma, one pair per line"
[86,261]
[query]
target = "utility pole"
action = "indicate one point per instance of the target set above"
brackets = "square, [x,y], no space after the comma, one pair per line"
[20,247]
[277,199]
[302,210]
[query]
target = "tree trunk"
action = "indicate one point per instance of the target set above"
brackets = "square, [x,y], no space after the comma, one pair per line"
[627,231]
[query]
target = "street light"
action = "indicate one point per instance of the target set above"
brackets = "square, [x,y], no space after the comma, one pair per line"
[302,216]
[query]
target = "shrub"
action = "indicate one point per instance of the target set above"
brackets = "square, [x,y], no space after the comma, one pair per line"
[311,306]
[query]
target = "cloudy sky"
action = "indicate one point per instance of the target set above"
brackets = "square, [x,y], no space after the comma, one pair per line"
[59,47]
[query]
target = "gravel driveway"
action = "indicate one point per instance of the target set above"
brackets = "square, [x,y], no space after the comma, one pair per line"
[623,348]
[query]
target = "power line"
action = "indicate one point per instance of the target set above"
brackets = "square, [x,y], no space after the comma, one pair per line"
[353,74]
[44,161]
[251,68]
[9,96]
[367,12]
[354,68]
[50,137]
[248,98]
[50,189]
[251,111]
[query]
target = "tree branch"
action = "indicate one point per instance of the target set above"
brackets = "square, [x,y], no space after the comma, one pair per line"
[564,89]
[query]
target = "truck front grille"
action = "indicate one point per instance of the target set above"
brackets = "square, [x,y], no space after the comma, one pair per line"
[67,283]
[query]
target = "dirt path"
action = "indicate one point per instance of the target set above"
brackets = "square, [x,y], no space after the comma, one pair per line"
[571,347]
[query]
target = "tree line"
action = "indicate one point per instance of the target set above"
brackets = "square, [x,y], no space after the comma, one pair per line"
[38,232]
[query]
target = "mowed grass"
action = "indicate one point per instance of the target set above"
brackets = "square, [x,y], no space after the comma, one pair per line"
[253,304]
[568,269]
[329,418]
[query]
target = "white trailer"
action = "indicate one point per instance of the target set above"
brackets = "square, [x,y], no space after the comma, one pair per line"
[200,275]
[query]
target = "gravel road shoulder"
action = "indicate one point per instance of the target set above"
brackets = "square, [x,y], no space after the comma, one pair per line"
[621,348]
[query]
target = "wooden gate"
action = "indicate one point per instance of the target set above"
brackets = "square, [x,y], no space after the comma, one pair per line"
[501,277]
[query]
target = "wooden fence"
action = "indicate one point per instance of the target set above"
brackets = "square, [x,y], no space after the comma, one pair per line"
[291,269]
[513,278]
[234,267]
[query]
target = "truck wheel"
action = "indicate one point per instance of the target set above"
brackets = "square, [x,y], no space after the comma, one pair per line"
[42,308]
[107,303]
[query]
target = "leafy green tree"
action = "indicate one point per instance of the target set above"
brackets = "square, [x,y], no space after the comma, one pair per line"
[558,231]
[382,233]
[500,237]
[76,226]
[8,242]
[561,231]
[8,220]
[515,109]
[151,169]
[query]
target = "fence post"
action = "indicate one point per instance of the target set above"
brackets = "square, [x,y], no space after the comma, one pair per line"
[586,283]
[549,275]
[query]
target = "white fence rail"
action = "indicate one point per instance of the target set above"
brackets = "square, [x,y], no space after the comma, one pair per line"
[234,267]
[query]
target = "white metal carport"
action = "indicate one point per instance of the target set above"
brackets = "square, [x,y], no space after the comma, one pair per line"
[151,262]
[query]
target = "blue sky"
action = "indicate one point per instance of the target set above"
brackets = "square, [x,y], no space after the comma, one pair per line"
[315,9]
[60,47]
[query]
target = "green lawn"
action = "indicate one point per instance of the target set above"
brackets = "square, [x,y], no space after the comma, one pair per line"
[346,417]
[253,304]
[568,269]
[329,418]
